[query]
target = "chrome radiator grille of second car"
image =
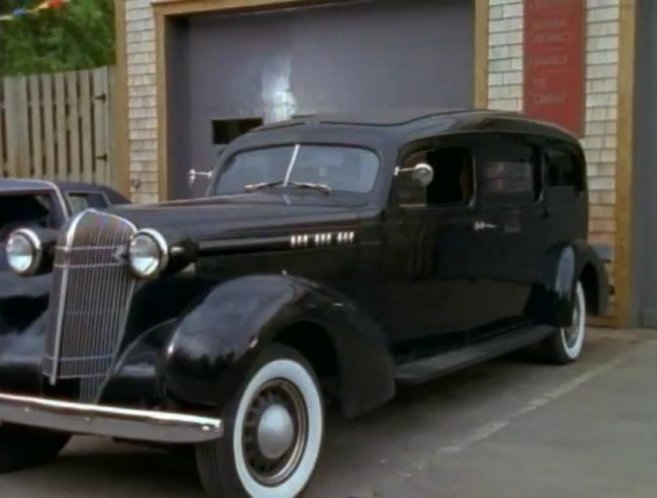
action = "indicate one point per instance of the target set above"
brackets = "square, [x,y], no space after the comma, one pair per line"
[92,289]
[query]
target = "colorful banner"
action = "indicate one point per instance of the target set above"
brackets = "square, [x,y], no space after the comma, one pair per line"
[22,12]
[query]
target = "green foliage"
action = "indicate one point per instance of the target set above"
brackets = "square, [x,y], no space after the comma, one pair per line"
[79,35]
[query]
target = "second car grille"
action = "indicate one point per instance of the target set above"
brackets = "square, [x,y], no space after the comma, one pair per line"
[91,293]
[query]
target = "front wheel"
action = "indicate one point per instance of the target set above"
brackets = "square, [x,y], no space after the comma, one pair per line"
[565,344]
[274,432]
[23,447]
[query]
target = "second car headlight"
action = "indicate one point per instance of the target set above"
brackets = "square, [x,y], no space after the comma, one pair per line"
[148,253]
[24,252]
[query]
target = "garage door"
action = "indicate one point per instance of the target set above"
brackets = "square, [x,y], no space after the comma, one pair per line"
[230,72]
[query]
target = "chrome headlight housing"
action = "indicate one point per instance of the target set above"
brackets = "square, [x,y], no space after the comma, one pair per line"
[24,252]
[148,253]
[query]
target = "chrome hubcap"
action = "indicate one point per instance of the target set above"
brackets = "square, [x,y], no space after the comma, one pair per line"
[275,432]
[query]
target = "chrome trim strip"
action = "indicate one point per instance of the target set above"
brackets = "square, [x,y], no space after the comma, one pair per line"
[62,302]
[123,423]
[294,241]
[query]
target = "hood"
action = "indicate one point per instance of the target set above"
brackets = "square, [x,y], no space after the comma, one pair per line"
[245,215]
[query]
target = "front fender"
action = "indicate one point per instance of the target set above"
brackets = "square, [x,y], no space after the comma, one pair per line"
[14,286]
[215,343]
[551,302]
[22,342]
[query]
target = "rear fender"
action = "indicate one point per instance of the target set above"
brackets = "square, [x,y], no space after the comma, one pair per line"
[551,302]
[215,343]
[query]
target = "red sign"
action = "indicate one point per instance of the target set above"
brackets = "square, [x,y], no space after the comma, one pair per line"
[555,66]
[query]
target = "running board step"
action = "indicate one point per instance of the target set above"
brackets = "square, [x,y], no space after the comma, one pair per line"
[427,369]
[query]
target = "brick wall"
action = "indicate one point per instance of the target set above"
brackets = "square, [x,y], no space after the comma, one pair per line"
[142,105]
[506,92]
[505,54]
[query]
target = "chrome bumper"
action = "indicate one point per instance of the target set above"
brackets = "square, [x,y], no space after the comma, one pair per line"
[123,423]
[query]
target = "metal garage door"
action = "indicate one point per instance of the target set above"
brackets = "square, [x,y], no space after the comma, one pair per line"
[644,242]
[273,65]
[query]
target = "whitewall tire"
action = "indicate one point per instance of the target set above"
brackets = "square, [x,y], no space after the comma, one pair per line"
[273,432]
[566,343]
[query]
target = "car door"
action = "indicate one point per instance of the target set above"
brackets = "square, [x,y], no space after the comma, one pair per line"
[511,228]
[430,251]
[565,192]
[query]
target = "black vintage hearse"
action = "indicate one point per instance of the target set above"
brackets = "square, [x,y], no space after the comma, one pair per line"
[334,259]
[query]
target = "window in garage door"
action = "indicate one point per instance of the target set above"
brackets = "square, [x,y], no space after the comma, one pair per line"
[225,131]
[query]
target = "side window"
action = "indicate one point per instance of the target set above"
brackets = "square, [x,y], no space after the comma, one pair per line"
[511,173]
[453,183]
[564,169]
[80,201]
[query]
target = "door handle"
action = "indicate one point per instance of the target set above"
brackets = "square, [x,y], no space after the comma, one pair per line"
[480,226]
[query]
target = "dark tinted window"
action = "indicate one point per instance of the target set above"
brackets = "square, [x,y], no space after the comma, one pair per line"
[453,182]
[25,211]
[563,169]
[511,172]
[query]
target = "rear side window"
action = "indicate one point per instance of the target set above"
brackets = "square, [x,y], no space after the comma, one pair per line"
[564,169]
[511,172]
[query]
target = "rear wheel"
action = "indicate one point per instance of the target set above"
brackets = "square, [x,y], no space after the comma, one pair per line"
[23,447]
[273,432]
[566,343]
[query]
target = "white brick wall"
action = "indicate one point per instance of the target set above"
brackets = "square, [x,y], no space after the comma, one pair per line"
[505,55]
[601,114]
[142,100]
[506,92]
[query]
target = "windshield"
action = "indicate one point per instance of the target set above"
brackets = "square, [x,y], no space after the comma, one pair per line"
[333,168]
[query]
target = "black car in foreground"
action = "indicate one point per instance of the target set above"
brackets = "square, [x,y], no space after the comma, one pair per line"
[334,259]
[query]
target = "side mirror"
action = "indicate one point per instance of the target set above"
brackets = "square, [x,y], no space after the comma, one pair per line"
[422,174]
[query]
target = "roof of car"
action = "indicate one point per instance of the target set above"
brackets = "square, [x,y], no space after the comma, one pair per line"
[30,184]
[408,123]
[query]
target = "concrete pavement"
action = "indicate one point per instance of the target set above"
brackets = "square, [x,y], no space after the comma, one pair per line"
[509,428]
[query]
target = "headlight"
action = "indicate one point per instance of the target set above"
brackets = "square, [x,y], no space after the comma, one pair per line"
[24,251]
[148,253]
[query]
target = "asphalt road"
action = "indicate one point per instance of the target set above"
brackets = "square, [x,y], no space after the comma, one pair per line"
[509,428]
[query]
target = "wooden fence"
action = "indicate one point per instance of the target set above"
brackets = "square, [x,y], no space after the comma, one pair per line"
[57,126]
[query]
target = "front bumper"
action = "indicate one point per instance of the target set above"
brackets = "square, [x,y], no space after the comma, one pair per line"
[138,425]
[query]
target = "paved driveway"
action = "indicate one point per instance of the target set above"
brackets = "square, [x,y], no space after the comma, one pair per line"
[507,429]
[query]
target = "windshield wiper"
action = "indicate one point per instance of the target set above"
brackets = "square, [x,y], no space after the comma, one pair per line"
[304,185]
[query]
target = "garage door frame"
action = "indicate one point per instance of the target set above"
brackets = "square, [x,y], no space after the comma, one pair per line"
[165,10]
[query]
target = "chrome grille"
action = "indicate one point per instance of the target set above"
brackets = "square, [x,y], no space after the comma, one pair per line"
[90,298]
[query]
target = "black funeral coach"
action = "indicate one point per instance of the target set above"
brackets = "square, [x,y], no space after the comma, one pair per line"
[334,259]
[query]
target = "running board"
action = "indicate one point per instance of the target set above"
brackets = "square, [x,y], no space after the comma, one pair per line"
[427,369]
